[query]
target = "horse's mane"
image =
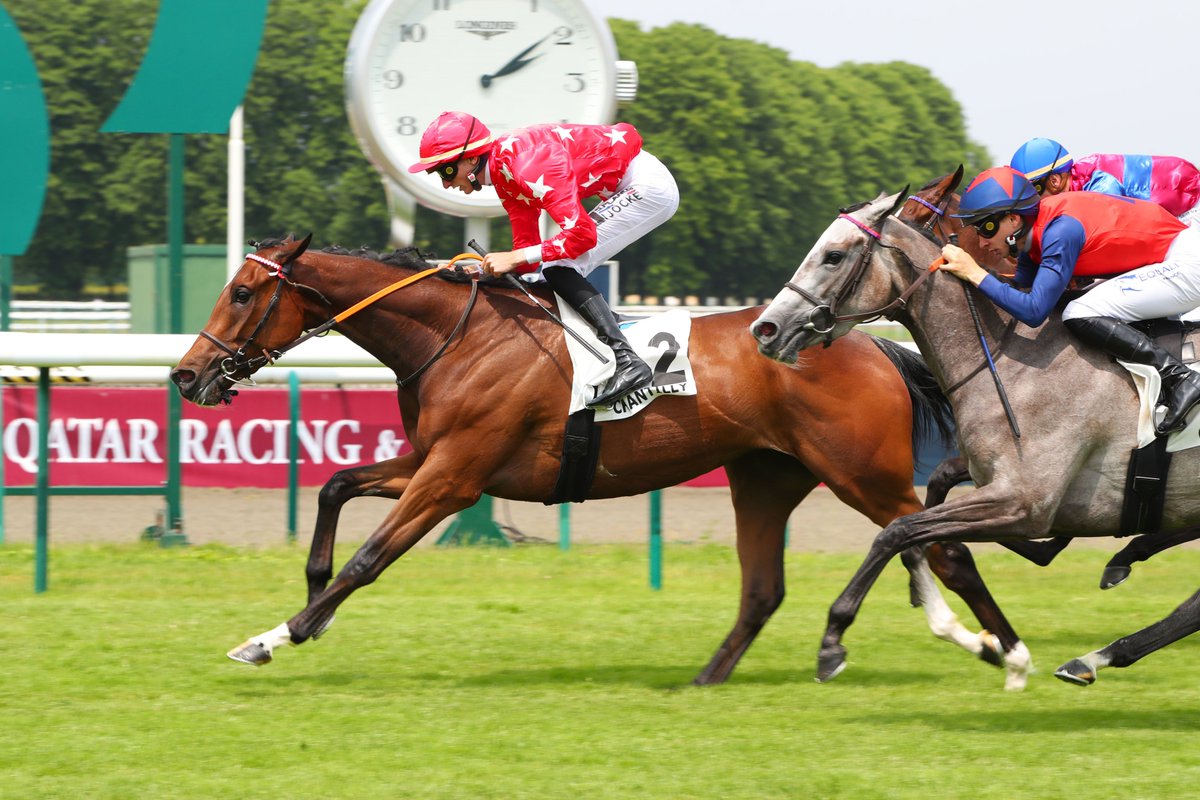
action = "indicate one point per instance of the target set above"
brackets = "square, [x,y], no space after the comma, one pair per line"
[410,258]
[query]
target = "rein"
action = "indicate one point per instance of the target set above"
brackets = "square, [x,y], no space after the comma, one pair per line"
[238,362]
[824,316]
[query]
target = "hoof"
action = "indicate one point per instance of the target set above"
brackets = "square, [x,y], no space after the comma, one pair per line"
[830,663]
[991,652]
[1076,672]
[250,652]
[1114,576]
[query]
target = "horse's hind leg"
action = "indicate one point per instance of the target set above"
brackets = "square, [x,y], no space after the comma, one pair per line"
[765,486]
[1181,622]
[1139,549]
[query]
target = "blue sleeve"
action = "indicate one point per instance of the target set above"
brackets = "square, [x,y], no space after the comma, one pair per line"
[1104,183]
[1061,244]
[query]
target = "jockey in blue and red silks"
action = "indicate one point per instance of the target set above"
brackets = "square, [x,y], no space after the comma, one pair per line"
[553,168]
[1154,256]
[1169,181]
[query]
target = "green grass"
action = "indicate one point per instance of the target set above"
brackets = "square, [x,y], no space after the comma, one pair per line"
[532,673]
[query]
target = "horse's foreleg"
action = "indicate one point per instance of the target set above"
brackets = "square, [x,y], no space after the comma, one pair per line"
[384,479]
[1040,553]
[945,476]
[1140,548]
[1181,622]
[431,496]
[998,643]
[980,514]
[765,488]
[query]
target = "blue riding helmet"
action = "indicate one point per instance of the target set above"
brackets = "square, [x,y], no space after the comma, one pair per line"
[995,192]
[1039,157]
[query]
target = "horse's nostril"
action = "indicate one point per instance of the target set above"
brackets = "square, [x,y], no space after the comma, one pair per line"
[179,377]
[765,330]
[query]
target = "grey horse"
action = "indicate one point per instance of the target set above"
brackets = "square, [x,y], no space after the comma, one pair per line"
[1064,475]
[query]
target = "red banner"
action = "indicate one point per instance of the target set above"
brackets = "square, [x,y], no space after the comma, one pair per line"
[116,436]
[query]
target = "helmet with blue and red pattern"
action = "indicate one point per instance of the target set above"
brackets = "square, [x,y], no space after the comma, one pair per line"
[994,193]
[454,135]
[1040,157]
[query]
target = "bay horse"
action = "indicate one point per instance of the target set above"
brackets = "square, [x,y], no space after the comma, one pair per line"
[483,385]
[1065,474]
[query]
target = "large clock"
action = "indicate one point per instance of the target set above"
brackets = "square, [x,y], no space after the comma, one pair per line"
[509,62]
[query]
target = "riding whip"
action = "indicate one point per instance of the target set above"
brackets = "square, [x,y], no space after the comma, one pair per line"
[474,245]
[987,352]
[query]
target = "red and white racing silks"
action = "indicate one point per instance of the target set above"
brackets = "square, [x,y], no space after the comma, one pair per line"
[553,168]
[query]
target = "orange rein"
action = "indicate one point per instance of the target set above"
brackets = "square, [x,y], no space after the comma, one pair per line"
[385,291]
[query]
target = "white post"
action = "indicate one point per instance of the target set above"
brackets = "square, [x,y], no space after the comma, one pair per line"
[477,228]
[235,227]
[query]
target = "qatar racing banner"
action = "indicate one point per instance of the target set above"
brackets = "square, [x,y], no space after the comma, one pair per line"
[116,436]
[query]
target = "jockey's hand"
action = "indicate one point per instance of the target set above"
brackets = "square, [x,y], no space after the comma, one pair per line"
[960,264]
[500,263]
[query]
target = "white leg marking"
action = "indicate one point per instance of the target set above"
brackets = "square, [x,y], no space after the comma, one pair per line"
[279,635]
[1018,665]
[942,620]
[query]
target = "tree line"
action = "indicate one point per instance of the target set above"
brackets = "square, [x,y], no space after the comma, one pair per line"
[765,149]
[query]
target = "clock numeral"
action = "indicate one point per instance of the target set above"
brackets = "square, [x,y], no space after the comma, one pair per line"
[441,5]
[413,32]
[406,126]
[575,82]
[564,34]
[393,79]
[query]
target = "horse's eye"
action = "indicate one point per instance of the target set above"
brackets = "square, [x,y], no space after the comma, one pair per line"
[242,295]
[834,257]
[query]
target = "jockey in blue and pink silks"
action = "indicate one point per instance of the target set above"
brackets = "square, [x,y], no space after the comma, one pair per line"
[1169,181]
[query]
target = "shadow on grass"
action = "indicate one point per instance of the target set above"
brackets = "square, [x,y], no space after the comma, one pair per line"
[1072,719]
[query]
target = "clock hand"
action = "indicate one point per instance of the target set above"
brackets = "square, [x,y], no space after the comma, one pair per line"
[515,63]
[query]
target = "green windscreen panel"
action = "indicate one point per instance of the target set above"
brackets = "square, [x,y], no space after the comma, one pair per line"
[24,141]
[196,68]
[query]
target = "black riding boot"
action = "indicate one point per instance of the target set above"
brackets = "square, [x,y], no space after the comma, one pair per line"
[631,372]
[1180,385]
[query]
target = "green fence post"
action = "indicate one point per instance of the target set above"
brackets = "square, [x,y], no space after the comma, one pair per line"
[564,527]
[293,452]
[42,556]
[656,539]
[475,526]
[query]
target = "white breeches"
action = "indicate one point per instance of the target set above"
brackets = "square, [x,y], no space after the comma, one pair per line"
[645,198]
[1168,289]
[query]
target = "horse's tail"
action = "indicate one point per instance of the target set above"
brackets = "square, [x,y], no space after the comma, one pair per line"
[931,408]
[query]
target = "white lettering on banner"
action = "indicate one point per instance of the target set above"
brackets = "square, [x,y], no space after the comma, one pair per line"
[94,440]
[142,433]
[27,459]
[110,449]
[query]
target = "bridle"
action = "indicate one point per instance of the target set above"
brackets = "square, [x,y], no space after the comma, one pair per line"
[239,363]
[824,317]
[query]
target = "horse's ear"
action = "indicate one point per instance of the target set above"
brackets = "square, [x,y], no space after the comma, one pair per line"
[888,206]
[956,180]
[298,250]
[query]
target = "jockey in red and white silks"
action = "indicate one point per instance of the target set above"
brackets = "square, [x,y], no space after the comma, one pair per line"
[553,168]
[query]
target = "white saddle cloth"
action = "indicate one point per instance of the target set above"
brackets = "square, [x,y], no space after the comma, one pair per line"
[660,340]
[1149,384]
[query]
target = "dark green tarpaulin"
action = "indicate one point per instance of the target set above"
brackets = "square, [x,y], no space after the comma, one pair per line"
[196,69]
[24,141]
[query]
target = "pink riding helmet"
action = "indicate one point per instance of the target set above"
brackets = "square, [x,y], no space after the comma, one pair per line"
[452,136]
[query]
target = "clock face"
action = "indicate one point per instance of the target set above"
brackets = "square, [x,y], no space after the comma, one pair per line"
[511,63]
